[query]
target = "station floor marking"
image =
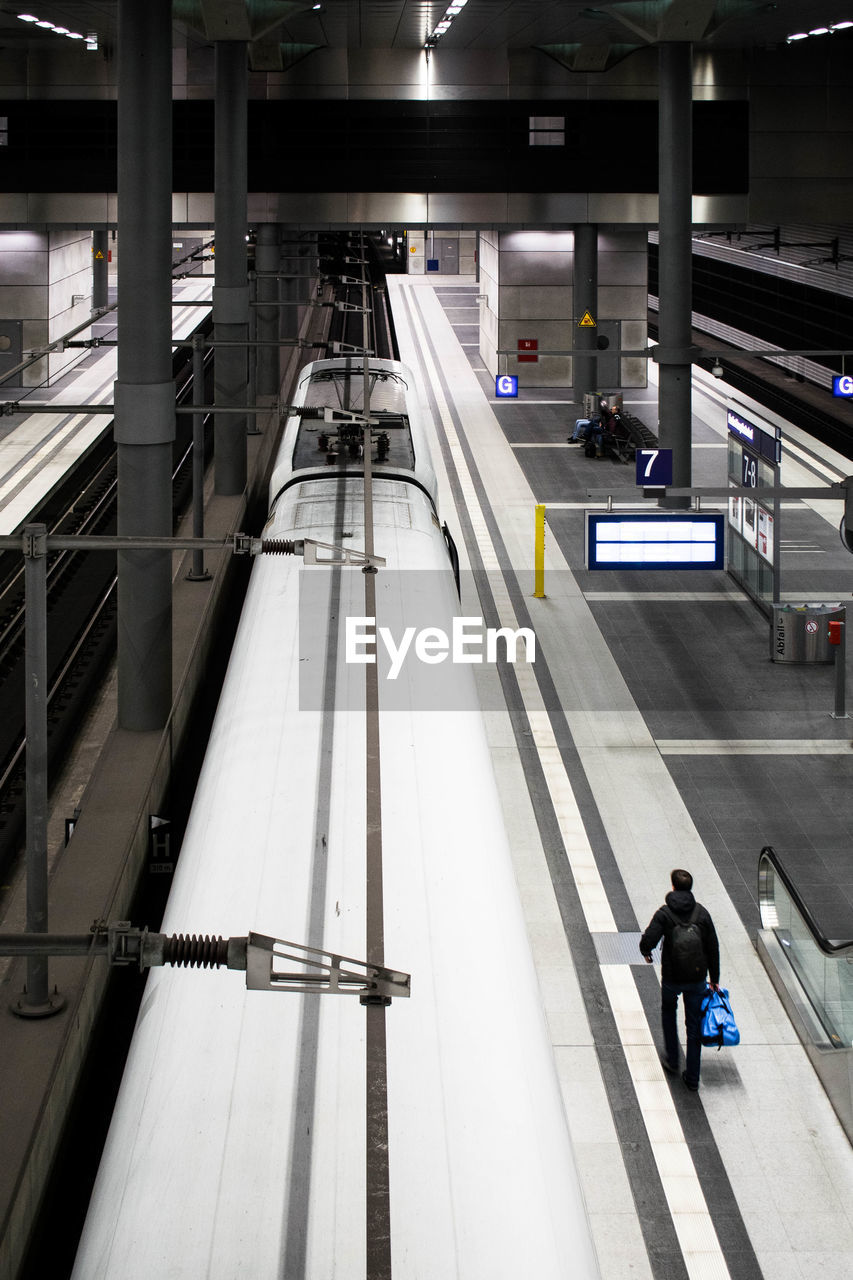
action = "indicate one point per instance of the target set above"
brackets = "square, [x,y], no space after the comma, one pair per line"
[660,597]
[696,597]
[693,1222]
[754,746]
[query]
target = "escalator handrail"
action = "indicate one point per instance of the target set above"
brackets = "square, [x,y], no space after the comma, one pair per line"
[826,945]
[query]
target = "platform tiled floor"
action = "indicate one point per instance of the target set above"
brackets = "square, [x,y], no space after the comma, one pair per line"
[656,733]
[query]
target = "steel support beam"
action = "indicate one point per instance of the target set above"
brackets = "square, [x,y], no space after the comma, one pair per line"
[675,168]
[100,259]
[231,290]
[144,389]
[266,261]
[36,1000]
[585,298]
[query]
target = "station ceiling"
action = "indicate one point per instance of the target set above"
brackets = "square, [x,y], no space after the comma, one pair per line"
[480,25]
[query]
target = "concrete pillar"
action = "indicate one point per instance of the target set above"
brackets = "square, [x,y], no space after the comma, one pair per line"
[231,291]
[585,294]
[100,259]
[675,225]
[267,318]
[144,389]
[527,279]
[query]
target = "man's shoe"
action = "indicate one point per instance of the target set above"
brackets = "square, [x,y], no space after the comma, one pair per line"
[667,1065]
[694,1088]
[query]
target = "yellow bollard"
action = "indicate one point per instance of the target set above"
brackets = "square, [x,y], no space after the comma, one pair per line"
[539,553]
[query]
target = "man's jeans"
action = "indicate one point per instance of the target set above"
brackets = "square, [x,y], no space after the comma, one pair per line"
[692,993]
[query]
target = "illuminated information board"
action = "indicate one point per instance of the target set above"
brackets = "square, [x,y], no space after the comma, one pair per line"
[669,540]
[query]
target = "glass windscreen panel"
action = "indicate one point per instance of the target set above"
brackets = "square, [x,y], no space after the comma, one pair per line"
[826,978]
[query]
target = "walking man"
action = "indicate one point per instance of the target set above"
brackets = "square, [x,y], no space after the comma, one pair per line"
[690,953]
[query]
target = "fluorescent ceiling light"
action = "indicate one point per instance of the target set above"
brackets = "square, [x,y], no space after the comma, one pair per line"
[454,8]
[820,31]
[91,39]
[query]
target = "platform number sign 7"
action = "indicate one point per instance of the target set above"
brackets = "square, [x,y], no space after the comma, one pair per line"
[654,467]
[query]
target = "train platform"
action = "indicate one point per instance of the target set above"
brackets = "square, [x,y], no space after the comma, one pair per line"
[38,449]
[653,731]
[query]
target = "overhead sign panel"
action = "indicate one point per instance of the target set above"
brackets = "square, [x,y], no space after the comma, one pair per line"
[654,467]
[665,540]
[764,440]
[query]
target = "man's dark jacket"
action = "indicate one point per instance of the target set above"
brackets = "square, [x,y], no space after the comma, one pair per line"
[681,902]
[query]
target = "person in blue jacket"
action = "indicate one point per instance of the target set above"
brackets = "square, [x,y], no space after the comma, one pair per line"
[690,954]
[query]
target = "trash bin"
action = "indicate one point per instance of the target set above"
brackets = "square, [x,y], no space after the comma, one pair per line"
[800,632]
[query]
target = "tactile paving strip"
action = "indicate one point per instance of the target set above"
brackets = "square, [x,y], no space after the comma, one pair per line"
[618,948]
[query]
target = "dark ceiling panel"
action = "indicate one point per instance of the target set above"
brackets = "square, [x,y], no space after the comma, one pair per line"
[482,24]
[386,146]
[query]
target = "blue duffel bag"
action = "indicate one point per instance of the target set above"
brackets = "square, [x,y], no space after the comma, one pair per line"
[718,1021]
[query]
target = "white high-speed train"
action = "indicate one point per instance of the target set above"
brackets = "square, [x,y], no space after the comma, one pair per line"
[237,1146]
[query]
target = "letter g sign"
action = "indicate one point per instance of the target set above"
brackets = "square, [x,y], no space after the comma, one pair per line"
[506,384]
[842,385]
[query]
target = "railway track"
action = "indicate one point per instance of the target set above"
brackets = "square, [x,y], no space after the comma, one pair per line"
[772,387]
[81,610]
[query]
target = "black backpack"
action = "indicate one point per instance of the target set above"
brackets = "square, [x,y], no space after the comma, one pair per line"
[686,948]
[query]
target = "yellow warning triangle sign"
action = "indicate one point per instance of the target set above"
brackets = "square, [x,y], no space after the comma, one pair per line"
[586,321]
[99,254]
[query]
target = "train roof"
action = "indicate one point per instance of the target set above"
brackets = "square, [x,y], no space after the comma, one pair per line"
[325,432]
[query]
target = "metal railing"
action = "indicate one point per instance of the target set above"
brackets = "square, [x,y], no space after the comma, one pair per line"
[823,966]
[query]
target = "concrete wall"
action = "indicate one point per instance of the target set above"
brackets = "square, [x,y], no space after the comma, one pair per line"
[41,275]
[69,295]
[416,253]
[424,246]
[801,134]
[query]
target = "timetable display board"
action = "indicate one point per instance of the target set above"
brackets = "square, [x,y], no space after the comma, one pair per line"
[655,540]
